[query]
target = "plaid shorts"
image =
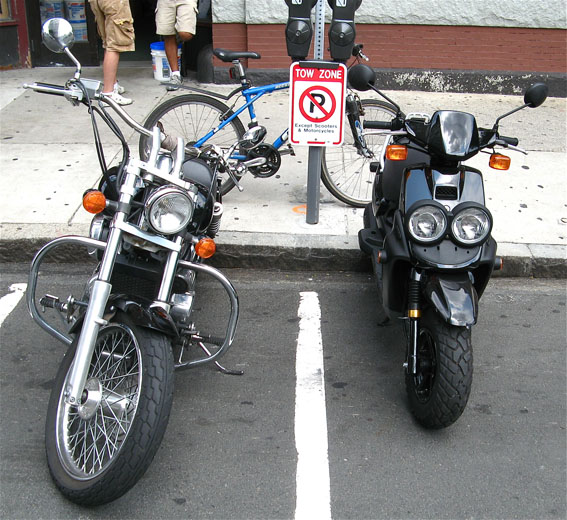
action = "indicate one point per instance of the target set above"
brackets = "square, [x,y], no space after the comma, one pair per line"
[115,24]
[176,16]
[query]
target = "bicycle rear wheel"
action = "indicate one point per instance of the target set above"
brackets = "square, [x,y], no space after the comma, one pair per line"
[192,116]
[345,172]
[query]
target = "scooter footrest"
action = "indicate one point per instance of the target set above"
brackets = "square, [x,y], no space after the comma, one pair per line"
[370,241]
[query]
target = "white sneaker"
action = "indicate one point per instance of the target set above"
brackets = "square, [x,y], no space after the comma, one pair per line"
[118,88]
[117,98]
[174,82]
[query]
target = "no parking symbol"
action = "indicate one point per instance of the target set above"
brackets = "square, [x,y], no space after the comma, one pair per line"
[317,103]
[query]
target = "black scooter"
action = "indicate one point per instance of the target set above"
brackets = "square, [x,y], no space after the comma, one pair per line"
[428,233]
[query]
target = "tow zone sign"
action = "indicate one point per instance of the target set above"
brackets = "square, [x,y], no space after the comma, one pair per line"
[317,100]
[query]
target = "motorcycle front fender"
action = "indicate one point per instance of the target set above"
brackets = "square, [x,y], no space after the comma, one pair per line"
[454,297]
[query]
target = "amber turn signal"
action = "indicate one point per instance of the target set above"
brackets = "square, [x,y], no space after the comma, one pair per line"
[206,248]
[499,162]
[396,152]
[94,201]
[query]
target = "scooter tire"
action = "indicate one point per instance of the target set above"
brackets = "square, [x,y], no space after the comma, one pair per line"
[126,406]
[438,393]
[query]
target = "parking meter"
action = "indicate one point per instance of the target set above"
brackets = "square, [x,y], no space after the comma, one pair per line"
[342,31]
[299,29]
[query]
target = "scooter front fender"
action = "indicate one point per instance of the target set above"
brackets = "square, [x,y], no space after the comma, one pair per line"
[454,297]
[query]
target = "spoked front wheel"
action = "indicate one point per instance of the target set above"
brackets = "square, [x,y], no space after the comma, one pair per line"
[439,391]
[98,450]
[345,170]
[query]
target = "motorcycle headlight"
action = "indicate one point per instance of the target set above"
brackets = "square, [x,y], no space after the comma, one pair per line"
[427,223]
[471,225]
[169,210]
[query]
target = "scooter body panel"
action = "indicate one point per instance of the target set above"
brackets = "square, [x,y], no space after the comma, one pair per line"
[460,273]
[454,297]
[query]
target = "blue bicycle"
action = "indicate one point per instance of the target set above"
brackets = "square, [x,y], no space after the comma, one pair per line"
[204,119]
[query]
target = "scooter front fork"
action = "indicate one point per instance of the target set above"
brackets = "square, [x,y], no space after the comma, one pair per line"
[414,313]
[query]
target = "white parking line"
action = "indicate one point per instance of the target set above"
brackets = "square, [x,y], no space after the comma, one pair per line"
[312,479]
[10,300]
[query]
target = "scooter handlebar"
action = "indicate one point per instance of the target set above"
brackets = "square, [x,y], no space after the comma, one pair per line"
[513,141]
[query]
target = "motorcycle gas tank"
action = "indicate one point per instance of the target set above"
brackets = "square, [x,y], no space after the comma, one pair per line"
[448,186]
[201,175]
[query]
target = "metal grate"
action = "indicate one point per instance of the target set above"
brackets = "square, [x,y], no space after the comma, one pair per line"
[446,193]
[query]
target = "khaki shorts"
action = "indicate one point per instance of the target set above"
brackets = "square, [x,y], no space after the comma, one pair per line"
[115,24]
[176,16]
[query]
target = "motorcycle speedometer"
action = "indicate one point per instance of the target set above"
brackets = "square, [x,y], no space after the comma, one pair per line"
[427,223]
[471,224]
[169,210]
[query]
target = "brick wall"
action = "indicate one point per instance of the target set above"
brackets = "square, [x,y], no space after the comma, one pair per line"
[418,47]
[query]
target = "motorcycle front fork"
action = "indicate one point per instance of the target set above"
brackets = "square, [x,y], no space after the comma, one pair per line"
[101,287]
[100,292]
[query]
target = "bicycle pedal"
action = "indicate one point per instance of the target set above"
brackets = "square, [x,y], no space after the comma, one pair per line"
[288,151]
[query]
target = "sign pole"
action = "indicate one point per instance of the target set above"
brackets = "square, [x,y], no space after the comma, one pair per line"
[315,152]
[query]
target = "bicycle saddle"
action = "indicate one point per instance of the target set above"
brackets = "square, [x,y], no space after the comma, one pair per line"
[228,56]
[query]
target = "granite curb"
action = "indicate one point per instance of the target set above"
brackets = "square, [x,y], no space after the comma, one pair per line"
[275,251]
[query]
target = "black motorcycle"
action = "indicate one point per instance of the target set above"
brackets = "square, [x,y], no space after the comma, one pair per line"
[133,324]
[428,234]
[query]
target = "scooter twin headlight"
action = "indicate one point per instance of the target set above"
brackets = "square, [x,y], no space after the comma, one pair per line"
[471,224]
[427,223]
[169,210]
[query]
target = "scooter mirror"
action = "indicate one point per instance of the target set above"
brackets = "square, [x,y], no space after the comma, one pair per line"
[361,77]
[57,34]
[536,95]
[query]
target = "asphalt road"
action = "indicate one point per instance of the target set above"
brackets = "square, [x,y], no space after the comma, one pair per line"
[230,450]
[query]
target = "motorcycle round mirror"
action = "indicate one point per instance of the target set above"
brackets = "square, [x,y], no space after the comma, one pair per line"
[57,34]
[361,77]
[536,95]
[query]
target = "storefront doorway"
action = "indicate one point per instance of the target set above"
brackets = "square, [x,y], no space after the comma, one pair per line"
[88,48]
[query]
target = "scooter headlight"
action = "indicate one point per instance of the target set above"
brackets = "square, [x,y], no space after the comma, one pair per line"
[169,210]
[471,224]
[427,223]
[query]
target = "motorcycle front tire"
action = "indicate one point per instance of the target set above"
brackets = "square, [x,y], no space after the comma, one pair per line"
[438,393]
[97,451]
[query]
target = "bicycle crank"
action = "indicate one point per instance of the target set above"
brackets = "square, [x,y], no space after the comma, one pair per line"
[270,166]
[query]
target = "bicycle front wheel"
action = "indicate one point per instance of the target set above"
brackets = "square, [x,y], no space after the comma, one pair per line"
[192,116]
[345,170]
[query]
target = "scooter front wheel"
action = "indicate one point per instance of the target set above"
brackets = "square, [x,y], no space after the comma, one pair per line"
[98,450]
[439,391]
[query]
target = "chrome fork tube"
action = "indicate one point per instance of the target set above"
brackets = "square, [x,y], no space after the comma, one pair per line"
[168,275]
[94,317]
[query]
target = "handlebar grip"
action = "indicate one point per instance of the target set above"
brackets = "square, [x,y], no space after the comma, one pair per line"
[47,88]
[377,125]
[509,140]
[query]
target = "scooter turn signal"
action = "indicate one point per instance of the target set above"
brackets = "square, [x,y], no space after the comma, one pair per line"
[499,161]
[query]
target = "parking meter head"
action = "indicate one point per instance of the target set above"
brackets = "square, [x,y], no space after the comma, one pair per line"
[342,30]
[299,28]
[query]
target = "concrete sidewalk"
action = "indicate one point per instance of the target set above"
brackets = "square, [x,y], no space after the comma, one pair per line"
[48,159]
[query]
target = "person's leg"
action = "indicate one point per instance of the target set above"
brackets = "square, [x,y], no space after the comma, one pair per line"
[170,44]
[109,69]
[186,20]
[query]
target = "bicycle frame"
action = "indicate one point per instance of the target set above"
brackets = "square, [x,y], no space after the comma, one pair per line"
[251,95]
